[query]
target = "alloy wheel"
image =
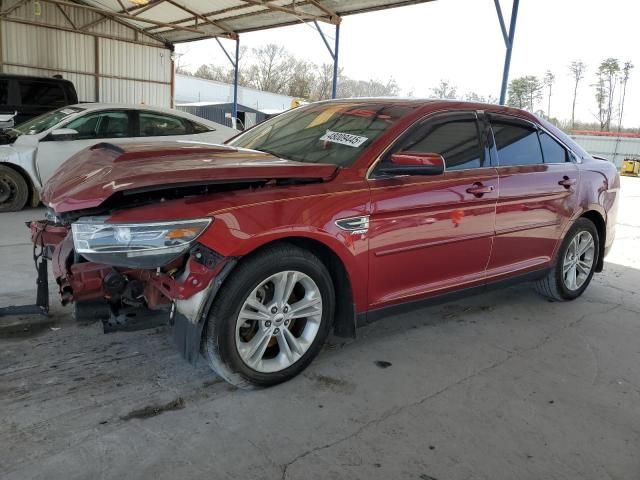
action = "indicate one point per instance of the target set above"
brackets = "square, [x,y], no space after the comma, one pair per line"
[278,321]
[578,260]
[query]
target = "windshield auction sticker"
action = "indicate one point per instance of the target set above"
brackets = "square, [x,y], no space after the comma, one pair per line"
[343,138]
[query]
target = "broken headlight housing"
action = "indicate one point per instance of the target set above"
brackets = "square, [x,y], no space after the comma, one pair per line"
[135,245]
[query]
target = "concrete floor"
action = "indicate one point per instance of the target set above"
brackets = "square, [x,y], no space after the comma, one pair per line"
[500,386]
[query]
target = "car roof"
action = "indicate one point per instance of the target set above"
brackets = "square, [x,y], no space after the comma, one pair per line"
[431,104]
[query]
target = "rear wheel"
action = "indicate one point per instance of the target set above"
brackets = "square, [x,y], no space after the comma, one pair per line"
[271,317]
[14,191]
[575,263]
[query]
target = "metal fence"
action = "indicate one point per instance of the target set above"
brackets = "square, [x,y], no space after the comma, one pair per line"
[615,149]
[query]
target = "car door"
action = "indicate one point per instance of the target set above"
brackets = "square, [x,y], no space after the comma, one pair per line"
[431,234]
[93,127]
[538,182]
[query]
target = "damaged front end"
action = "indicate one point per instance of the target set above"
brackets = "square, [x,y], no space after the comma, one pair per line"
[146,274]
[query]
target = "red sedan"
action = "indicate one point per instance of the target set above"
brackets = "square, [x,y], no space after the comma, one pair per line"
[321,219]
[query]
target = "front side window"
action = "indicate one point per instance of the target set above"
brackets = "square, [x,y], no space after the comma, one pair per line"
[552,151]
[199,128]
[160,125]
[42,93]
[111,124]
[516,144]
[456,140]
[335,133]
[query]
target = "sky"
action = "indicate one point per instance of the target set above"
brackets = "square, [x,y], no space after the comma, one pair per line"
[460,41]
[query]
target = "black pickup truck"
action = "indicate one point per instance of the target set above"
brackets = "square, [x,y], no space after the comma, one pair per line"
[27,97]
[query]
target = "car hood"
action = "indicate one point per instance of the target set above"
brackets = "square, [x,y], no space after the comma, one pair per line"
[92,176]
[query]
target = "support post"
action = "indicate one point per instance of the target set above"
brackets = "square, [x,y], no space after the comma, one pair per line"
[334,55]
[508,40]
[334,87]
[234,118]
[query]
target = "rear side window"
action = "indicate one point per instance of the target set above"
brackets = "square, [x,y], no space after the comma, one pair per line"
[552,151]
[42,93]
[516,144]
[456,140]
[159,125]
[4,92]
[198,128]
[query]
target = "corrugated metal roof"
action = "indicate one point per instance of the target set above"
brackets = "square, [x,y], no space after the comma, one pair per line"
[186,20]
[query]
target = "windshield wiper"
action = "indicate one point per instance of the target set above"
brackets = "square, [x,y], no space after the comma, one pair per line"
[274,153]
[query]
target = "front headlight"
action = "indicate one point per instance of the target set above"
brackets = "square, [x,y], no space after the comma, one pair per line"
[137,245]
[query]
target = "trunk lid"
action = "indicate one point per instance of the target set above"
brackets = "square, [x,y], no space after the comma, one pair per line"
[92,176]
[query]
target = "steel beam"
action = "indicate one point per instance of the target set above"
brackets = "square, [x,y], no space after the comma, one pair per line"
[334,87]
[290,11]
[508,43]
[334,55]
[236,65]
[114,15]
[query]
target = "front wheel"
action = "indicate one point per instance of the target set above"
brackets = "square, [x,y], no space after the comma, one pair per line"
[575,263]
[14,191]
[271,317]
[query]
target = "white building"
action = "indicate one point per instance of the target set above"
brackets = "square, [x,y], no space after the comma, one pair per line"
[192,89]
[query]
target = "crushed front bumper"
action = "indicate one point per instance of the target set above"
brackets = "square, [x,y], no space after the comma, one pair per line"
[183,291]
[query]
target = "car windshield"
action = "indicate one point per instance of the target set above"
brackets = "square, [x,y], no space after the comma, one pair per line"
[46,121]
[335,133]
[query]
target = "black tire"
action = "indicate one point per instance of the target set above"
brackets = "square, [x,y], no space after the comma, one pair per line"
[553,285]
[14,191]
[220,332]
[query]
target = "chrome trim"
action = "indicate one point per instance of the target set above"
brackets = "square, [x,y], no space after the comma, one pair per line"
[354,224]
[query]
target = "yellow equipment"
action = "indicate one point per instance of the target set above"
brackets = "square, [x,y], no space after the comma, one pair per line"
[630,167]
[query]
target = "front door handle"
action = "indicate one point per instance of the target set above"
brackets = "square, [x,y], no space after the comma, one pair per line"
[567,182]
[479,189]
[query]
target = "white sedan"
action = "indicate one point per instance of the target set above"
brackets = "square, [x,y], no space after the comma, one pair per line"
[32,151]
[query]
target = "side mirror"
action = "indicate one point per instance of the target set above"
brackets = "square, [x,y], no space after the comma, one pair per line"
[413,163]
[63,134]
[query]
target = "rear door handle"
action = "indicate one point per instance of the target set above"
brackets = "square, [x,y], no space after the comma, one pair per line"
[567,182]
[479,189]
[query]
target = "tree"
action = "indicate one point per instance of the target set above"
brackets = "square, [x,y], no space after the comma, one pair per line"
[525,92]
[517,96]
[549,78]
[348,87]
[300,84]
[475,97]
[272,68]
[577,69]
[322,82]
[444,90]
[606,80]
[626,71]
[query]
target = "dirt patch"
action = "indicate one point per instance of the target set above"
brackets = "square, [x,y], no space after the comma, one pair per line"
[25,327]
[155,410]
[331,383]
[382,364]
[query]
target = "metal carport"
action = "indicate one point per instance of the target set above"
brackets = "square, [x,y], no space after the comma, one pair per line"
[163,23]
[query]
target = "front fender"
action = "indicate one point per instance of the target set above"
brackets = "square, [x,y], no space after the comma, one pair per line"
[234,234]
